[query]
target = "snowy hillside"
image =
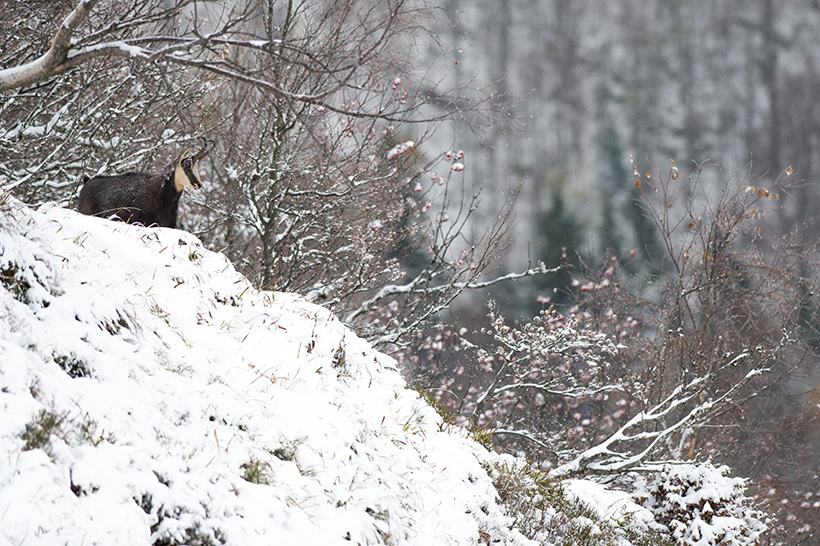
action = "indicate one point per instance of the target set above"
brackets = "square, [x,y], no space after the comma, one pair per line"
[150,395]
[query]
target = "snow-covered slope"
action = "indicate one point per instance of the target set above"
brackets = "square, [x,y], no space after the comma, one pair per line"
[150,395]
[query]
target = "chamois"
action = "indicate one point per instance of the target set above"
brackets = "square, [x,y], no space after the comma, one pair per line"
[148,199]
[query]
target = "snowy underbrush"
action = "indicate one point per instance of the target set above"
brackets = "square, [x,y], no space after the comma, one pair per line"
[572,512]
[678,504]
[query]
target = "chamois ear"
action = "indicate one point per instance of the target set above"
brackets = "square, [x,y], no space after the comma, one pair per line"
[186,154]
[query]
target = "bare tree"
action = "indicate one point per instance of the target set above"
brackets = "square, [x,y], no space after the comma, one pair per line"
[180,61]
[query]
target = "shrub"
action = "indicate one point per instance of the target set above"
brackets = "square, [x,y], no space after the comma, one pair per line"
[542,511]
[39,430]
[702,506]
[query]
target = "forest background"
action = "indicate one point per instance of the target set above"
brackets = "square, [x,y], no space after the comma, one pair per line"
[646,169]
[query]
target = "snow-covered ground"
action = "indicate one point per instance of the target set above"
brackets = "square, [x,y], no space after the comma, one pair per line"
[150,395]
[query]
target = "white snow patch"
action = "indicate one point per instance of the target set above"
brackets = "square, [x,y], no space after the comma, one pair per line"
[609,504]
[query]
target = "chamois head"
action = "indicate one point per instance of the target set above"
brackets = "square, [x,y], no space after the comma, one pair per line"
[186,173]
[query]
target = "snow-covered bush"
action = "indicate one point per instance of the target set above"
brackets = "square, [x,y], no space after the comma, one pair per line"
[703,506]
[571,513]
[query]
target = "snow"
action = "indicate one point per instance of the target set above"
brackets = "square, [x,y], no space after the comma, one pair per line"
[703,506]
[170,378]
[609,504]
[400,149]
[131,50]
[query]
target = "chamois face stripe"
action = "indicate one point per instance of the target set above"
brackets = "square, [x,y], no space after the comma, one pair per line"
[192,172]
[186,174]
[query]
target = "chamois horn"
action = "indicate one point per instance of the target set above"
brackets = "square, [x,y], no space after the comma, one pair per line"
[205,149]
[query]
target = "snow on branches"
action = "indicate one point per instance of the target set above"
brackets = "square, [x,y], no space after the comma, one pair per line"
[400,149]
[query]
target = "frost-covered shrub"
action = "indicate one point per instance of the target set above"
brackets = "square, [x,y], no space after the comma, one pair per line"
[545,512]
[702,506]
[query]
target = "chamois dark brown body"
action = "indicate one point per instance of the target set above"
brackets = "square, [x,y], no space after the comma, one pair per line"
[147,199]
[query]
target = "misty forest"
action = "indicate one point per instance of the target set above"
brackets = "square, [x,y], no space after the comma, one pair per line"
[582,228]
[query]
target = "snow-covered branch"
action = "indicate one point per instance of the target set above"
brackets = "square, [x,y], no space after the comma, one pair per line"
[608,394]
[235,48]
[55,60]
[604,459]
